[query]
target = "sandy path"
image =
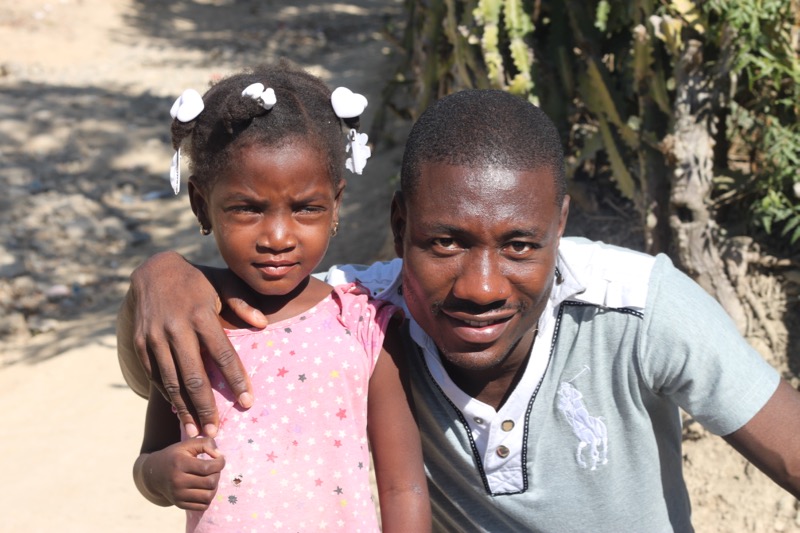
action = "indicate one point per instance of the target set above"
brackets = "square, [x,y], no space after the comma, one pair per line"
[85,90]
[69,442]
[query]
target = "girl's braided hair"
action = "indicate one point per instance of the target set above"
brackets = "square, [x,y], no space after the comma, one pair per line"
[303,113]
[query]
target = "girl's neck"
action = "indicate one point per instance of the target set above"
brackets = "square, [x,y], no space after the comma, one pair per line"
[279,307]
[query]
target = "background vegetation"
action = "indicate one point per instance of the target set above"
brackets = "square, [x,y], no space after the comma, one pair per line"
[688,109]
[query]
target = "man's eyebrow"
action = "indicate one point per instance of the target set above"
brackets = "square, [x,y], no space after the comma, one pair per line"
[523,233]
[444,228]
[449,229]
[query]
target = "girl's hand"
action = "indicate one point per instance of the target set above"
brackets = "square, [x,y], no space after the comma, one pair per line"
[177,475]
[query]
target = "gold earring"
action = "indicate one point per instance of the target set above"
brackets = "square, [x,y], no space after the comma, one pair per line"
[335,229]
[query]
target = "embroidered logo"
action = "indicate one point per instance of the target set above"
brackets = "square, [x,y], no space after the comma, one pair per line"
[590,430]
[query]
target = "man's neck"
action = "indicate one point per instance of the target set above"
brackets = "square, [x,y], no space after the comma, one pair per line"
[494,386]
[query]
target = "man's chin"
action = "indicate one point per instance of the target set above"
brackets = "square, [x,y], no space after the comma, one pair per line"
[474,358]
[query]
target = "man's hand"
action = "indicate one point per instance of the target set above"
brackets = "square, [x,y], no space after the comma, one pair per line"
[169,316]
[178,475]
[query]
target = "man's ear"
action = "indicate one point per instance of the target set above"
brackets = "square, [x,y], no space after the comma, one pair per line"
[199,205]
[562,222]
[398,222]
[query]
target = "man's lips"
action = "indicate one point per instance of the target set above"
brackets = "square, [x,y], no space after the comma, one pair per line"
[479,329]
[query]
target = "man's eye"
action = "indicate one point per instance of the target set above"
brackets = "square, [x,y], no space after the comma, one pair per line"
[521,247]
[448,244]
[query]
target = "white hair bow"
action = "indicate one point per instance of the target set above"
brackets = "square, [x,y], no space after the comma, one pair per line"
[188,105]
[186,108]
[266,98]
[347,104]
[360,152]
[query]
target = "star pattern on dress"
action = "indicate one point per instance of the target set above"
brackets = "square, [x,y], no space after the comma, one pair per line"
[282,458]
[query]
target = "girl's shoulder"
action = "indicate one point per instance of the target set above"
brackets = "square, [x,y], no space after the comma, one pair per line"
[357,309]
[348,303]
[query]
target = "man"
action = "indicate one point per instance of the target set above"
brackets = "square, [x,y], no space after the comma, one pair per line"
[546,372]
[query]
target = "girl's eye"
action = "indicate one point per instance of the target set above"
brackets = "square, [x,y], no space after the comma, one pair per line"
[244,209]
[310,209]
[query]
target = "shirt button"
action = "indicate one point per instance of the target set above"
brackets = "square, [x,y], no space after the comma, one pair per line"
[478,420]
[507,425]
[502,452]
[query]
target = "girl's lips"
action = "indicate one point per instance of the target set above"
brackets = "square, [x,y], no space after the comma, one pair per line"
[275,270]
[478,330]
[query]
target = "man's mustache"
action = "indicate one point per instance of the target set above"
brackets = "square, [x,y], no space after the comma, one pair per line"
[471,308]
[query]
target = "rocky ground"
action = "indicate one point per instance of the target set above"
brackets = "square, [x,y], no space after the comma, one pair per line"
[85,89]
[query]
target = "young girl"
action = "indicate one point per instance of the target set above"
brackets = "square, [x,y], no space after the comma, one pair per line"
[267,156]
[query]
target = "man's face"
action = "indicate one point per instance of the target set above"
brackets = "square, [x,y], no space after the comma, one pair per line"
[479,247]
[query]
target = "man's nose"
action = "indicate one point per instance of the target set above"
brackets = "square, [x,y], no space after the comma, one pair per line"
[480,279]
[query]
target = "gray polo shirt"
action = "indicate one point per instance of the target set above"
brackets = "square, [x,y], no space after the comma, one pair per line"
[590,439]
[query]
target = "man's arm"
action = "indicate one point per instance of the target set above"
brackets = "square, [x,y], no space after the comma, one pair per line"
[169,315]
[132,370]
[771,439]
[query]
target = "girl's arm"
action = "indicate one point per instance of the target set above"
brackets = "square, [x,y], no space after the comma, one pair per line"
[170,472]
[395,442]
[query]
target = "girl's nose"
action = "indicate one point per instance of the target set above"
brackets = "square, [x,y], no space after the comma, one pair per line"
[276,235]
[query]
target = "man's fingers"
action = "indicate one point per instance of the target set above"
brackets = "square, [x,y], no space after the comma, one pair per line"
[142,352]
[232,292]
[167,379]
[195,398]
[227,360]
[242,309]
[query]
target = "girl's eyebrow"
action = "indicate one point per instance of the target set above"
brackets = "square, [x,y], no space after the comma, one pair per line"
[237,196]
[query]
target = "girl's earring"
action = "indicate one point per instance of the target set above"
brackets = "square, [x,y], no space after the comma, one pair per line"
[335,229]
[204,230]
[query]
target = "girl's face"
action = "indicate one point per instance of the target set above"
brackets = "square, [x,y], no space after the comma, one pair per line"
[271,213]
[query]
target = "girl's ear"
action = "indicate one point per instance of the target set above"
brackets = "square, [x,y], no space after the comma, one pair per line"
[199,205]
[337,199]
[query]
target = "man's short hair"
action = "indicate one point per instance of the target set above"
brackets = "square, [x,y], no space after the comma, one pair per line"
[479,128]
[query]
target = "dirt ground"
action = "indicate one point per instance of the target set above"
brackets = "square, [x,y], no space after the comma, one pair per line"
[85,91]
